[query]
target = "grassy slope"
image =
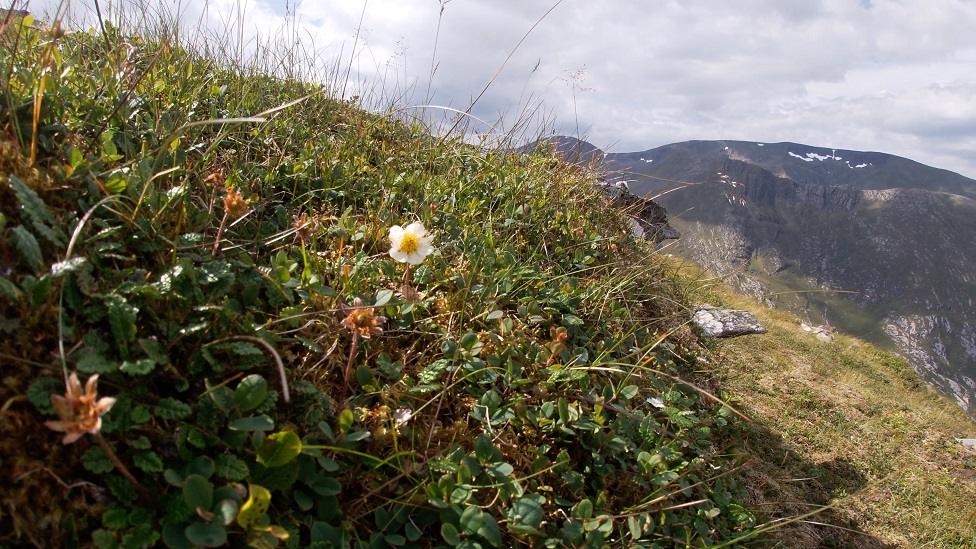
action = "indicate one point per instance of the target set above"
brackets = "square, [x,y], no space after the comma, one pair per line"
[518,433]
[510,402]
[848,424]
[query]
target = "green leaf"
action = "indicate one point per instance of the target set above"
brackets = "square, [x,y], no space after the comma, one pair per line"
[200,465]
[197,492]
[9,290]
[174,536]
[36,211]
[96,461]
[27,247]
[475,521]
[258,501]
[121,318]
[103,539]
[138,367]
[629,392]
[140,414]
[527,514]
[115,518]
[495,315]
[346,420]
[253,423]
[62,268]
[39,393]
[325,486]
[469,340]
[279,448]
[170,408]
[450,534]
[149,462]
[231,467]
[563,407]
[383,297]
[90,361]
[583,509]
[206,535]
[250,392]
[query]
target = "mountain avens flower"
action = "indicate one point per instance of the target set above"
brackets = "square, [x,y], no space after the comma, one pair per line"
[410,244]
[79,411]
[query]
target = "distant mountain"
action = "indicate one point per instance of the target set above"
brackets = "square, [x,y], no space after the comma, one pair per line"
[876,245]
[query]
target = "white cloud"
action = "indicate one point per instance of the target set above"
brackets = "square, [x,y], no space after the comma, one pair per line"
[886,75]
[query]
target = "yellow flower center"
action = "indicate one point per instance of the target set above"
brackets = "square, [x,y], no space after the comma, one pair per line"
[410,243]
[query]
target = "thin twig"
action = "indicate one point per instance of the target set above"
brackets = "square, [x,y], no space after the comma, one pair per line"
[121,466]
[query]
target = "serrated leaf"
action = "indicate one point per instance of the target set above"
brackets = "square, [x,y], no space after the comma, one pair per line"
[170,408]
[231,467]
[115,518]
[104,539]
[28,247]
[37,212]
[62,268]
[91,361]
[149,462]
[258,501]
[279,449]
[138,367]
[122,318]
[39,393]
[96,461]
[250,392]
[433,372]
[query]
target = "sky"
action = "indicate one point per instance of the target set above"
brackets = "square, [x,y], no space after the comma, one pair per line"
[896,76]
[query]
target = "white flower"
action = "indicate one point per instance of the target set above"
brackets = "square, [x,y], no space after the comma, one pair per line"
[410,244]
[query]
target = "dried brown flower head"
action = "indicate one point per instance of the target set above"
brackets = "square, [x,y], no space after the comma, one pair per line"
[362,320]
[234,203]
[305,226]
[79,411]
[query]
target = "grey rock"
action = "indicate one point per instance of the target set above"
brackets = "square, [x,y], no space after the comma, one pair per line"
[715,322]
[648,219]
[823,333]
[967,442]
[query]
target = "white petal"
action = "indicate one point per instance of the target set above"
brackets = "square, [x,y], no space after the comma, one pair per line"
[415,258]
[398,255]
[417,228]
[396,233]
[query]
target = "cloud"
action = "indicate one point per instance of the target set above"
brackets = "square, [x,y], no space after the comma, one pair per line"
[886,75]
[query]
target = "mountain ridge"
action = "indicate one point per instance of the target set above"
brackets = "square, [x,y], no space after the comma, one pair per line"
[874,243]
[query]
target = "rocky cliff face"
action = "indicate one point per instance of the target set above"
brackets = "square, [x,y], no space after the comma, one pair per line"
[879,246]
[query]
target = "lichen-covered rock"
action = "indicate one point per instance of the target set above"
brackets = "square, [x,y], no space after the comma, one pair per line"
[715,322]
